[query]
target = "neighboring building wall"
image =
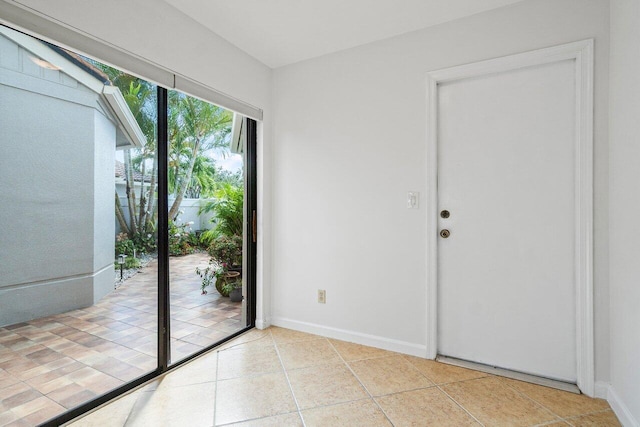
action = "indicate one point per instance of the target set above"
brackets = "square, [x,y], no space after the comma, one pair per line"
[625,210]
[190,207]
[57,191]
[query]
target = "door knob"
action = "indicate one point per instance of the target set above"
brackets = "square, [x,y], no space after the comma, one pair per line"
[445,214]
[445,233]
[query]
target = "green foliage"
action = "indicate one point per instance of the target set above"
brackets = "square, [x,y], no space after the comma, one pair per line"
[213,273]
[195,127]
[227,250]
[230,286]
[124,245]
[129,262]
[228,210]
[145,242]
[181,240]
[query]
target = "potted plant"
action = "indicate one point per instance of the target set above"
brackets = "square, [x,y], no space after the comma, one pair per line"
[235,290]
[218,274]
[227,250]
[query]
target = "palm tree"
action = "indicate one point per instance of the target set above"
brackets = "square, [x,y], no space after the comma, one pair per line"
[195,127]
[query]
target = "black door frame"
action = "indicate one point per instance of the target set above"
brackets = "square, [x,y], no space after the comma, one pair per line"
[164,316]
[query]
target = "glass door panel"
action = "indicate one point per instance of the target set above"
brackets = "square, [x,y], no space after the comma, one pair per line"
[206,217]
[78,288]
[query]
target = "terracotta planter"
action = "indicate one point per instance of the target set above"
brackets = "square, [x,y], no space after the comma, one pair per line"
[229,276]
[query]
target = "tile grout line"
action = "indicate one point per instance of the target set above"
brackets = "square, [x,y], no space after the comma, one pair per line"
[215,389]
[575,417]
[286,376]
[436,385]
[361,383]
[232,423]
[561,418]
[459,405]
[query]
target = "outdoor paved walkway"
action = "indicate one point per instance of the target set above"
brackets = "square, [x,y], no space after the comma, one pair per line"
[51,364]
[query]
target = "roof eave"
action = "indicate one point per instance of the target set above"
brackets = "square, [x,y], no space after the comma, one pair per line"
[126,120]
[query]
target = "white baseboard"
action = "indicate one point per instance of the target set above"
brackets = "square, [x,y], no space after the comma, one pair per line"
[263,323]
[606,391]
[601,390]
[352,336]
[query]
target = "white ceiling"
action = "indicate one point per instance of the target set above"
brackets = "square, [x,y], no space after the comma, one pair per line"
[281,32]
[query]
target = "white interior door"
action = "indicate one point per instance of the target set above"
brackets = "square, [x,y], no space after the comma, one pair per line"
[506,174]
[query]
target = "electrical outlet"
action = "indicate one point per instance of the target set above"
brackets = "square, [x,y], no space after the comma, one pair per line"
[322,296]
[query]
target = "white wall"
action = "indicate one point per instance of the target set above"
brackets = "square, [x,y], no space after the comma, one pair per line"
[625,207]
[349,139]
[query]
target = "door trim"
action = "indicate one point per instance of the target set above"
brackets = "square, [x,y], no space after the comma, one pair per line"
[582,53]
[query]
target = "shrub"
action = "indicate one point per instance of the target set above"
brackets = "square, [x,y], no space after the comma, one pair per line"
[129,262]
[227,250]
[181,241]
[228,212]
[124,245]
[145,242]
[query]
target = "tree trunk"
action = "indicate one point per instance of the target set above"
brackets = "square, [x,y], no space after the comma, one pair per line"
[131,194]
[143,198]
[152,190]
[173,212]
[120,216]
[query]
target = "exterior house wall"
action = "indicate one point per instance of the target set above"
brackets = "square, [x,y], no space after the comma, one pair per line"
[350,142]
[57,192]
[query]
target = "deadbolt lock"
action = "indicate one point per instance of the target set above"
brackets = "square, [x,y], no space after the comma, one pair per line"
[445,214]
[445,233]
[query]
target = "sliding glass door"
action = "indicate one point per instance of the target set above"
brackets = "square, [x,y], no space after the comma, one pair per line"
[128,229]
[206,189]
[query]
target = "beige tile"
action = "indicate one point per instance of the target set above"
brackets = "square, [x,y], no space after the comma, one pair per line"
[190,405]
[351,351]
[307,353]
[241,362]
[252,339]
[601,419]
[325,385]
[246,398]
[287,420]
[282,335]
[441,373]
[563,403]
[388,375]
[427,406]
[494,403]
[361,413]
[198,371]
[115,413]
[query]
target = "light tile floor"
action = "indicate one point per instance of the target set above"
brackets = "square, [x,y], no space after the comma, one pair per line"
[55,363]
[279,377]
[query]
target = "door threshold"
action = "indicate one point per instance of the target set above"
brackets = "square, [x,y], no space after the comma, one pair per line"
[514,375]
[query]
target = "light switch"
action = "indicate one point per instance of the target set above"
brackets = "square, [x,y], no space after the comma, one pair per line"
[413,200]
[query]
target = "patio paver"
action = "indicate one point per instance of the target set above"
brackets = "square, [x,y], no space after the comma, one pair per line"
[55,363]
